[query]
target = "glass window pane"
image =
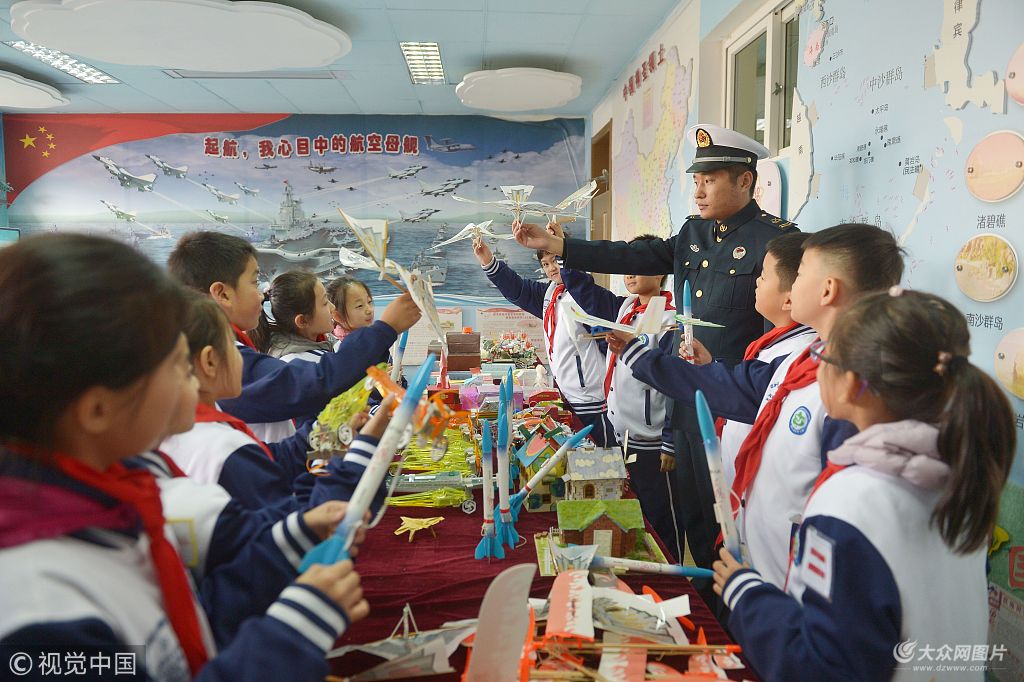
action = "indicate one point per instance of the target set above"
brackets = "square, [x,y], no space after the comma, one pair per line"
[792,38]
[749,66]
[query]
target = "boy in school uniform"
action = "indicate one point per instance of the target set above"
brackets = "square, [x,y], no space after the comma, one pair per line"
[577,362]
[225,268]
[773,299]
[787,447]
[637,412]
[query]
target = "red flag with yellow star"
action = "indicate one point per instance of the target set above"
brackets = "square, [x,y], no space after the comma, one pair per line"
[35,144]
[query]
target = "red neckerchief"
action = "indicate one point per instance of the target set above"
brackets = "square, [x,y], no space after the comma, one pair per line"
[138,488]
[206,414]
[801,373]
[551,317]
[175,470]
[242,337]
[628,318]
[755,347]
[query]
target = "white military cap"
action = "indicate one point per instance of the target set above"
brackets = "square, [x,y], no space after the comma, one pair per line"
[718,147]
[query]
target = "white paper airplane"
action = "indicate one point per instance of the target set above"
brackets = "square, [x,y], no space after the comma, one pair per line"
[372,233]
[517,200]
[473,231]
[650,322]
[351,259]
[423,295]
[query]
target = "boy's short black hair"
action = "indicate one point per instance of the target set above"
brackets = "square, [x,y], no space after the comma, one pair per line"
[649,238]
[202,258]
[738,169]
[869,256]
[787,250]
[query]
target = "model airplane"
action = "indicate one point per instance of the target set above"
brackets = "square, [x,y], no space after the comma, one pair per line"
[650,322]
[120,213]
[420,215]
[321,168]
[372,233]
[473,231]
[248,190]
[222,197]
[517,200]
[423,294]
[351,259]
[405,172]
[217,216]
[143,183]
[445,188]
[447,144]
[168,169]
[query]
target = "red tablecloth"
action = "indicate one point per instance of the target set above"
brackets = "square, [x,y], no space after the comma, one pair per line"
[442,581]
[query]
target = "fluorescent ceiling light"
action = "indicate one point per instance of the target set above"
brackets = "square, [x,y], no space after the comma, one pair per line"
[66,63]
[424,62]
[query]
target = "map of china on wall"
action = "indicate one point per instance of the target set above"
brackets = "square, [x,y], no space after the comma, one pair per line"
[277,180]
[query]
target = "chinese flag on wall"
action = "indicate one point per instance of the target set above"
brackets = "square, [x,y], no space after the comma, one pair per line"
[35,144]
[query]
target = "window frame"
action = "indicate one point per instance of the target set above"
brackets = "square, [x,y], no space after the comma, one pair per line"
[769,19]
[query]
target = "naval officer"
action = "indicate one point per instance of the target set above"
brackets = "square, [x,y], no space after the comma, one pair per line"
[719,252]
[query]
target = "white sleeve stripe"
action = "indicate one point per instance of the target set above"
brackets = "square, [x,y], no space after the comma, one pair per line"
[311,600]
[630,352]
[750,584]
[284,545]
[357,458]
[491,267]
[296,534]
[361,447]
[301,624]
[640,350]
[739,584]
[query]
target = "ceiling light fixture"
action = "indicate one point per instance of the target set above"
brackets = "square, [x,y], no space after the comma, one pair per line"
[66,63]
[424,62]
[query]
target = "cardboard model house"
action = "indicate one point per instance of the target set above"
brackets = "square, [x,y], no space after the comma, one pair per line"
[595,474]
[540,444]
[615,526]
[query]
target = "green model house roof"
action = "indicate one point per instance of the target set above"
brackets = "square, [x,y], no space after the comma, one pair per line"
[578,514]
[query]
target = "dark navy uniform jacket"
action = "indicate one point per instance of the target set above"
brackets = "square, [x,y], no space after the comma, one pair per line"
[721,260]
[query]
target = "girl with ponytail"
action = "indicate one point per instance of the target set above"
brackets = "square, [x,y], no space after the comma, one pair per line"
[891,551]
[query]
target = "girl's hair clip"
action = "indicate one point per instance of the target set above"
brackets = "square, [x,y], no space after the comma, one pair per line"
[895,290]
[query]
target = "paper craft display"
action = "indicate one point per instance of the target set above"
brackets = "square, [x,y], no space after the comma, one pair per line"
[423,295]
[594,473]
[472,231]
[639,616]
[332,432]
[995,167]
[616,527]
[504,627]
[986,268]
[570,615]
[1009,362]
[492,323]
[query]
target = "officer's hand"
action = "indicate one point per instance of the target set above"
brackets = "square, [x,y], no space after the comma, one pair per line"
[554,228]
